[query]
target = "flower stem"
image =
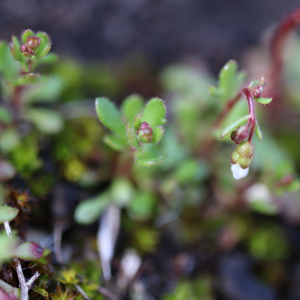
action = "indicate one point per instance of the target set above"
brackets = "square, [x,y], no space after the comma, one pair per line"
[252,120]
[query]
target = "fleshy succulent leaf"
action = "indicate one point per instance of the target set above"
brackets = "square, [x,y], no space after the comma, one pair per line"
[131,106]
[110,116]
[29,251]
[26,34]
[154,112]
[7,213]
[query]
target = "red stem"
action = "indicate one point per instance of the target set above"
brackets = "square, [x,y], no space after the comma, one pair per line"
[252,120]
[288,24]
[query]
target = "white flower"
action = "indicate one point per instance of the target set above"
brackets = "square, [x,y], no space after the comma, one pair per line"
[238,172]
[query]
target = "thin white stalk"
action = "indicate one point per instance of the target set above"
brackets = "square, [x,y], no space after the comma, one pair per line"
[24,286]
[7,229]
[82,292]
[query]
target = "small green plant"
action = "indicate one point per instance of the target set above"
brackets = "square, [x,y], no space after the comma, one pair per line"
[230,82]
[137,126]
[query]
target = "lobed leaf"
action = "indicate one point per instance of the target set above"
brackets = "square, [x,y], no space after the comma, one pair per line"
[234,125]
[154,112]
[110,116]
[131,106]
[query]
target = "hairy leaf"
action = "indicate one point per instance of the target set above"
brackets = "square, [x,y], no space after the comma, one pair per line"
[154,112]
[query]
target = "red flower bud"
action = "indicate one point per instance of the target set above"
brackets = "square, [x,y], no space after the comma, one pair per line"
[26,51]
[145,133]
[240,135]
[33,42]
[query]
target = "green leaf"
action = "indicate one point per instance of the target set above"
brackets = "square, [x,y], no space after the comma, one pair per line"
[9,139]
[8,65]
[5,115]
[90,210]
[234,125]
[7,245]
[41,292]
[121,191]
[7,171]
[13,293]
[43,36]
[114,142]
[69,277]
[26,34]
[49,58]
[15,49]
[142,205]
[230,81]
[262,100]
[158,133]
[109,116]
[132,137]
[7,213]
[154,112]
[29,79]
[46,91]
[46,120]
[149,158]
[28,251]
[214,91]
[137,123]
[191,171]
[257,131]
[43,50]
[131,106]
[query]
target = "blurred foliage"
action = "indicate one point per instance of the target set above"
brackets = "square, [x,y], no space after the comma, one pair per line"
[57,162]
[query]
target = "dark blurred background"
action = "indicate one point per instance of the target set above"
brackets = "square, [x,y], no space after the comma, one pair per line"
[162,31]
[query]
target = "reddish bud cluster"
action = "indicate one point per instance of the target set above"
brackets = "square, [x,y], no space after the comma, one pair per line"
[145,133]
[32,43]
[256,91]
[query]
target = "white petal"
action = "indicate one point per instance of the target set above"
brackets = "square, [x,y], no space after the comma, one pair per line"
[238,172]
[107,235]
